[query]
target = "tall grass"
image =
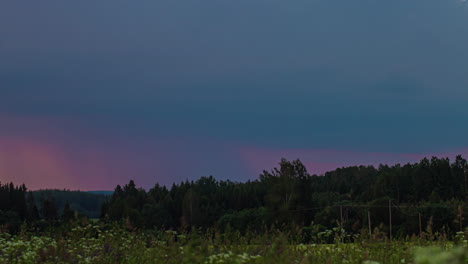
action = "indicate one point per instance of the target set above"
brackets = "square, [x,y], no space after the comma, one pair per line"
[100,243]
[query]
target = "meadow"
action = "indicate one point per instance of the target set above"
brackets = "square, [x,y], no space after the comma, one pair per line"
[99,243]
[352,215]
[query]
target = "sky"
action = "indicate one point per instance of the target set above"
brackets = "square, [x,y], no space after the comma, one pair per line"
[95,93]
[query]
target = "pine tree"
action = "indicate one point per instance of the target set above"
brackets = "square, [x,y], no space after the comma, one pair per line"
[67,213]
[33,212]
[49,208]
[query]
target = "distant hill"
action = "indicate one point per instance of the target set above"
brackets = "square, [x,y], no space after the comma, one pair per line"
[108,193]
[85,203]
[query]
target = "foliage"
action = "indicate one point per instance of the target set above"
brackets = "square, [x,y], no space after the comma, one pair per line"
[288,197]
[84,203]
[99,243]
[425,199]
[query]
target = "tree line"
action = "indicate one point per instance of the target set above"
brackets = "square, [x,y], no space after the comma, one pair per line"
[19,206]
[428,195]
[432,191]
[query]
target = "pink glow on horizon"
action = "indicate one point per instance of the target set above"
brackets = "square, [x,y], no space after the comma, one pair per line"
[55,153]
[25,161]
[42,165]
[48,153]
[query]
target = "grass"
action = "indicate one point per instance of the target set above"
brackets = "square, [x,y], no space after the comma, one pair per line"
[97,243]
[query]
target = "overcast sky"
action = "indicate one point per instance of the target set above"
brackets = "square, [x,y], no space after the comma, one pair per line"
[94,93]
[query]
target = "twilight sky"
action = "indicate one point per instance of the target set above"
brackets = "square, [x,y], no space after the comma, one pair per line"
[94,93]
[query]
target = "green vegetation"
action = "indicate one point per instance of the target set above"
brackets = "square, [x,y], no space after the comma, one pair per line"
[426,196]
[99,243]
[413,213]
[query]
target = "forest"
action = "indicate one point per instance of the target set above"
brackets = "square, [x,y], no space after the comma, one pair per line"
[399,200]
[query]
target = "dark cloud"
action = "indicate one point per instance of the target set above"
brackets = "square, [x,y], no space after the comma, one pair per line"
[361,75]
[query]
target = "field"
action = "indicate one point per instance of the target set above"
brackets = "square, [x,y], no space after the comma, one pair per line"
[96,243]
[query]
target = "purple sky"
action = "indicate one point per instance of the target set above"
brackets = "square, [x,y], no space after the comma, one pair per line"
[93,94]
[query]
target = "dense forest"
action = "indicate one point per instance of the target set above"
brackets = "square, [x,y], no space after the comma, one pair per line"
[429,195]
[18,205]
[84,203]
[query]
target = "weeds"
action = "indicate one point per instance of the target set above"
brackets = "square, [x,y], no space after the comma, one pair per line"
[94,243]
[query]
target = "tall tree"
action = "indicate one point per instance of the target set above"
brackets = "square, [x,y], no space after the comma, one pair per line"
[67,214]
[49,208]
[33,212]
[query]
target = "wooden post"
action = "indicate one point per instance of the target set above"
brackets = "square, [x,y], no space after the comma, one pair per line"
[460,217]
[420,226]
[341,216]
[390,217]
[466,175]
[368,220]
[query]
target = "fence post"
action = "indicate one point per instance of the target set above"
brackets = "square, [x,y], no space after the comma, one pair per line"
[368,220]
[420,225]
[341,215]
[390,216]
